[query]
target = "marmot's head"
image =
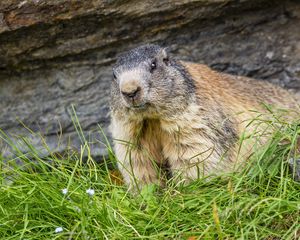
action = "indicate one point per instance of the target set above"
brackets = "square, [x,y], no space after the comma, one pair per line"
[146,77]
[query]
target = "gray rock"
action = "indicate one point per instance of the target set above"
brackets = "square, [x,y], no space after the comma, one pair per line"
[58,54]
[294,165]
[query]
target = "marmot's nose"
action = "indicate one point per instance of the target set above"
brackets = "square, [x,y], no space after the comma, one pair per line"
[132,94]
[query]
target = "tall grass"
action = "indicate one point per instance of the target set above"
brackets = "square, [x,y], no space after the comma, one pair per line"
[52,198]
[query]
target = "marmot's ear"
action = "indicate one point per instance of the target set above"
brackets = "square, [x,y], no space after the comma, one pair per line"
[163,56]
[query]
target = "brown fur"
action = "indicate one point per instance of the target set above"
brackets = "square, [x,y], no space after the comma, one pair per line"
[199,136]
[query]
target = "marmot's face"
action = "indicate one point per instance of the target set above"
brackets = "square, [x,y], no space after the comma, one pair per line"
[145,79]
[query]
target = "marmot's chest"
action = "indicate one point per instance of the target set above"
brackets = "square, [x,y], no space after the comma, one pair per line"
[191,139]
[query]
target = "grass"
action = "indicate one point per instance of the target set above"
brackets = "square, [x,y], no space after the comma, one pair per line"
[261,202]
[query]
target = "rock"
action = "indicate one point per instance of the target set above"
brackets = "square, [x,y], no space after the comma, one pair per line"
[58,54]
[294,165]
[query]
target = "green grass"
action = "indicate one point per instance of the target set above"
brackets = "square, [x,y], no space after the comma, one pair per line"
[261,202]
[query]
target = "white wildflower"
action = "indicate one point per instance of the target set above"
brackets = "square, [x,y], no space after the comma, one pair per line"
[58,230]
[77,209]
[90,192]
[64,191]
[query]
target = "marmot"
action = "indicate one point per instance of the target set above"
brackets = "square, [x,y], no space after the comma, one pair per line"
[180,114]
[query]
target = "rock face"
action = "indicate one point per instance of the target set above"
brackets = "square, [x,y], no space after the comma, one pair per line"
[57,55]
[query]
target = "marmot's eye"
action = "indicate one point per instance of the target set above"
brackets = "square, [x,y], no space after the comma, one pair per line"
[114,75]
[153,65]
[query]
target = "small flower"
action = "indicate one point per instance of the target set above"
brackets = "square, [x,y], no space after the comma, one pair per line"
[58,230]
[90,192]
[64,191]
[77,209]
